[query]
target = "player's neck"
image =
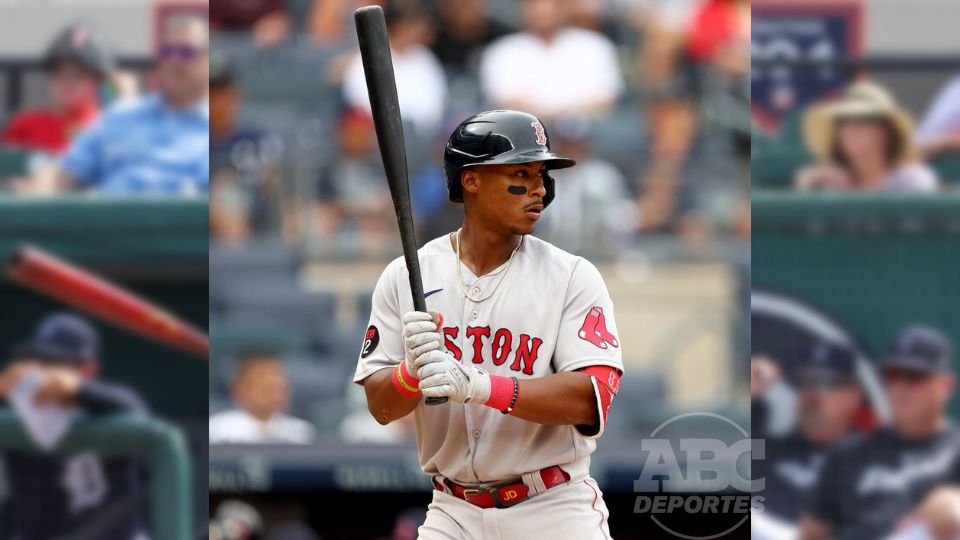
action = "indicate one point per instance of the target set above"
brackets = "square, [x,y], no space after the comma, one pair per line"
[483,250]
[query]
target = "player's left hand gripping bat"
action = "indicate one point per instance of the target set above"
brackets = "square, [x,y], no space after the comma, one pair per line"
[382,87]
[92,294]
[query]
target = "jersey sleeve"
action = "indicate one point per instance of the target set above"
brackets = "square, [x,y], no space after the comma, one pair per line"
[382,341]
[588,333]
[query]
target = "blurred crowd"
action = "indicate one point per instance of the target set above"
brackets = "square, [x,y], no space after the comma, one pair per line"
[107,130]
[864,140]
[833,457]
[620,85]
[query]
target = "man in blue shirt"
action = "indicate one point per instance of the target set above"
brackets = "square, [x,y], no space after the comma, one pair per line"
[158,144]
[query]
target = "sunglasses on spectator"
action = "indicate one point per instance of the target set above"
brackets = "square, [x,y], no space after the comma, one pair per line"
[905,376]
[182,52]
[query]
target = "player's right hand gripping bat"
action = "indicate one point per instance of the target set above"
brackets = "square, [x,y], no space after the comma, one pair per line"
[382,87]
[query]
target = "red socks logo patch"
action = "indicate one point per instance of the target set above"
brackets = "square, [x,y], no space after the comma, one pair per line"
[595,331]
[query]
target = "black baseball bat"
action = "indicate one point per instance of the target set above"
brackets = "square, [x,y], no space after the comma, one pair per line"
[382,87]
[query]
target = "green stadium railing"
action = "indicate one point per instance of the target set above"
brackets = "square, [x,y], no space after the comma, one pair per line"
[13,163]
[872,262]
[157,445]
[166,233]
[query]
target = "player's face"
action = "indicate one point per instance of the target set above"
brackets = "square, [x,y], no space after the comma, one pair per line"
[861,138]
[263,391]
[184,63]
[223,104]
[916,399]
[511,195]
[544,16]
[825,413]
[71,85]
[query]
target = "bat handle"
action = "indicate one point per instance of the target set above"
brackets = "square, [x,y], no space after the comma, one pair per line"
[436,400]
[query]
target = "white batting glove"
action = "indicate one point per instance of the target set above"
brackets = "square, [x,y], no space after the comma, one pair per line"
[443,376]
[420,336]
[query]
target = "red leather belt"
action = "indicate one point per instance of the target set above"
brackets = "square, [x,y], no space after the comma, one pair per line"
[503,496]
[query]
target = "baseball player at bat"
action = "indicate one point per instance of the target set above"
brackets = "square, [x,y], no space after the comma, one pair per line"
[519,336]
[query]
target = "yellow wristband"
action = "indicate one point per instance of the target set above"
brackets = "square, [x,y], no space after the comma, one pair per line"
[403,382]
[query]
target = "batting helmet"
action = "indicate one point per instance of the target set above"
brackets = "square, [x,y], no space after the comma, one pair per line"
[499,137]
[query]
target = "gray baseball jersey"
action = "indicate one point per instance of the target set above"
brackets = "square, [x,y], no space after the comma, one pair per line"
[551,313]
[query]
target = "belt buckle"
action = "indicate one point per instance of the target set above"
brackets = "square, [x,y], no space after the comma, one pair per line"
[472,491]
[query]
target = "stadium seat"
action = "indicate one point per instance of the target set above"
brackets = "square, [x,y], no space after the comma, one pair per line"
[948,168]
[13,162]
[242,333]
[259,258]
[777,159]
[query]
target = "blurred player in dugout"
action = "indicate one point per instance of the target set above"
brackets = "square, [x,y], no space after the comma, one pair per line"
[50,378]
[901,481]
[827,404]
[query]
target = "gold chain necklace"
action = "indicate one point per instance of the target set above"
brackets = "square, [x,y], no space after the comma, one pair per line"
[466,294]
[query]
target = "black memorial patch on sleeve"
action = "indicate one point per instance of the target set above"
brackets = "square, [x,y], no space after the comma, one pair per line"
[370,341]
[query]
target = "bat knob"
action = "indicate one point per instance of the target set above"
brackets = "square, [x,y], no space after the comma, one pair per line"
[436,400]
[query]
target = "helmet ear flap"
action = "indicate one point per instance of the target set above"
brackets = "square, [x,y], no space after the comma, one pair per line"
[550,184]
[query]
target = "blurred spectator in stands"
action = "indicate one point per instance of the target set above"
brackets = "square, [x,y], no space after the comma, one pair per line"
[261,392]
[244,163]
[670,113]
[156,145]
[939,131]
[686,43]
[238,520]
[77,64]
[864,142]
[464,29]
[421,84]
[432,211]
[719,34]
[551,69]
[268,21]
[354,209]
[593,208]
[827,403]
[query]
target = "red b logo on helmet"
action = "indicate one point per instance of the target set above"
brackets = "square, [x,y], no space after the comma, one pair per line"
[541,134]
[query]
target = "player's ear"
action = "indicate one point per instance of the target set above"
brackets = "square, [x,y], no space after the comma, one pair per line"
[470,181]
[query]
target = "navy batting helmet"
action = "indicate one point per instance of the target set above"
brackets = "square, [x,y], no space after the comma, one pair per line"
[499,137]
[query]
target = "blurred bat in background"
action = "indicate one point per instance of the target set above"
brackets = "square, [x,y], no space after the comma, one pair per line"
[85,291]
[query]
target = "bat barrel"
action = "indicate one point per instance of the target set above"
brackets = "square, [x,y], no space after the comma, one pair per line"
[73,286]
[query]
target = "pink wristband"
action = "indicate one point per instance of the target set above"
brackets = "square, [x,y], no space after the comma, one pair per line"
[501,392]
[405,383]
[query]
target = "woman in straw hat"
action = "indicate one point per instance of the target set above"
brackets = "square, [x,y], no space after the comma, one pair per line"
[863,142]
